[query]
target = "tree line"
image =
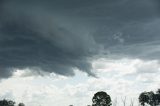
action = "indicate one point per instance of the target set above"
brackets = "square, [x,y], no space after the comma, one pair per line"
[6,102]
[103,99]
[145,98]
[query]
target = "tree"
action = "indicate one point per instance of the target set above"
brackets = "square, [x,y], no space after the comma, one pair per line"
[143,98]
[158,97]
[5,102]
[149,98]
[152,99]
[158,91]
[21,104]
[101,99]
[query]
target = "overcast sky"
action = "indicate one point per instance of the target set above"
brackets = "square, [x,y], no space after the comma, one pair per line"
[61,52]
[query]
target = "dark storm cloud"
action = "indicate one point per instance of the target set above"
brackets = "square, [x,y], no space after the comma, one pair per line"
[58,36]
[34,39]
[127,28]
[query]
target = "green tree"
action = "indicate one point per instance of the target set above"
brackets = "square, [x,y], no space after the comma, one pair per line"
[21,104]
[143,98]
[5,102]
[158,97]
[149,98]
[152,99]
[101,99]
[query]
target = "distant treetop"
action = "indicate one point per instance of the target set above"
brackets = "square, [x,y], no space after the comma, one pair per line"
[101,99]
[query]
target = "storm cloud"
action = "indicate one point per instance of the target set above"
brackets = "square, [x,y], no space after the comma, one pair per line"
[35,40]
[60,36]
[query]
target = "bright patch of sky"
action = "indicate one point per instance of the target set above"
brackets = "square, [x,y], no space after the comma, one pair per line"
[119,78]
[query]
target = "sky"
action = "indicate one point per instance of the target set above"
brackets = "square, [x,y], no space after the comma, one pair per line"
[61,52]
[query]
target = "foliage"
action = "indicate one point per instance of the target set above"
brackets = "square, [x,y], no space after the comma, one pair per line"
[101,99]
[21,104]
[7,103]
[150,98]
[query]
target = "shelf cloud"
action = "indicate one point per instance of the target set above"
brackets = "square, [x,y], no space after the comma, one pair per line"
[60,36]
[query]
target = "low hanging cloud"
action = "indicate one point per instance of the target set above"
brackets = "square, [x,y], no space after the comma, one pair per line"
[36,41]
[60,36]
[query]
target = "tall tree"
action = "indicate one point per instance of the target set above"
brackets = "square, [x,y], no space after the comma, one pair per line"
[101,99]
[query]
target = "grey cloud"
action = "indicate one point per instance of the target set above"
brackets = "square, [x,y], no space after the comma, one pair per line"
[140,41]
[125,28]
[61,35]
[130,30]
[31,40]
